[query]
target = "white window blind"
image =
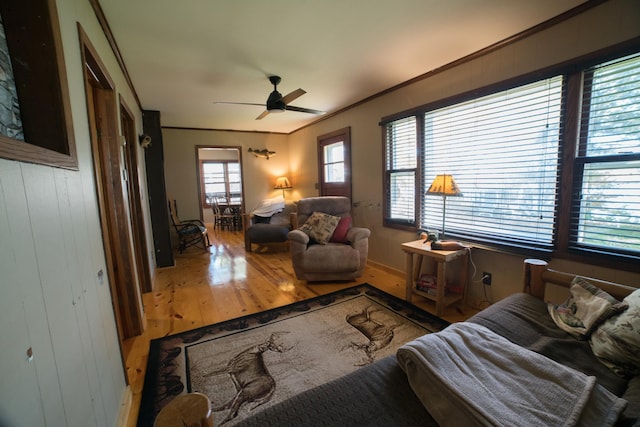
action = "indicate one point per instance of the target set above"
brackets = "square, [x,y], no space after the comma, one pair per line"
[606,210]
[400,169]
[502,151]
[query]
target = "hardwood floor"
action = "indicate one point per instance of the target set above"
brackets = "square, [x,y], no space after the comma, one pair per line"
[227,282]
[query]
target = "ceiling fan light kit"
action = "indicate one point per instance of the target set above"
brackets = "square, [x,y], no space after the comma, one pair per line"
[276,103]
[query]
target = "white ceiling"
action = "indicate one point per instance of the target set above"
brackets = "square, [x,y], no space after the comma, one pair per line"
[183,56]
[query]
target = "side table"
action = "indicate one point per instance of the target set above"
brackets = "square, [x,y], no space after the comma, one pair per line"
[420,250]
[188,410]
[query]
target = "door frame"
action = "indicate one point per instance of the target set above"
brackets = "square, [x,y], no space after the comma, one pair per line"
[344,189]
[201,202]
[130,152]
[112,200]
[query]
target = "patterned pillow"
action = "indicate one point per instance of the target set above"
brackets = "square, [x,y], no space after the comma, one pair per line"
[616,343]
[587,307]
[320,226]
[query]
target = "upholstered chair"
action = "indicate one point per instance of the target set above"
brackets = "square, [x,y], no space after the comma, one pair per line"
[343,256]
[268,229]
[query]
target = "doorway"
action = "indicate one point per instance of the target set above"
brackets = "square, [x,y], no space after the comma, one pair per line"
[132,176]
[219,178]
[334,168]
[113,194]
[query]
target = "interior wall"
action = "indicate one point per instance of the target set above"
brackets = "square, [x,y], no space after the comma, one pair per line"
[610,23]
[258,174]
[54,303]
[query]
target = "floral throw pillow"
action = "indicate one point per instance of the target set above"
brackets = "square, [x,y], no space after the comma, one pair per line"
[587,307]
[616,343]
[320,226]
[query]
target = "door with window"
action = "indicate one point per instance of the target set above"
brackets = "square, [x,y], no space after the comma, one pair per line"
[334,158]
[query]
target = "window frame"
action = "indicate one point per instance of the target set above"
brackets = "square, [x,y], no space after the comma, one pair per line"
[569,162]
[580,161]
[389,172]
[227,182]
[335,188]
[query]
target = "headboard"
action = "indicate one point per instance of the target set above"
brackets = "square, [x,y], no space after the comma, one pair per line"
[537,275]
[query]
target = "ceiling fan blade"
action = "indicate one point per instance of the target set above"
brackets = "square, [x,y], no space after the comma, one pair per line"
[239,103]
[261,116]
[293,95]
[304,110]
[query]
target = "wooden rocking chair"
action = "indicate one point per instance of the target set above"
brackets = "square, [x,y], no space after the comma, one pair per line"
[190,232]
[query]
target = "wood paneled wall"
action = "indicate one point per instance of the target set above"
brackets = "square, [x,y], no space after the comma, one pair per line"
[53,304]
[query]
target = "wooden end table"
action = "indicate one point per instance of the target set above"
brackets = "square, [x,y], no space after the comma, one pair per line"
[420,250]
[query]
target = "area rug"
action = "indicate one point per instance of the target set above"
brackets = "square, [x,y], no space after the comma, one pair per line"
[247,364]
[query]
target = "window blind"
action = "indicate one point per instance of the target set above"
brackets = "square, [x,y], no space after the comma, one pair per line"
[502,151]
[606,211]
[400,169]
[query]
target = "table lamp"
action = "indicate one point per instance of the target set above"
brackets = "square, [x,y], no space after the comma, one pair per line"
[443,185]
[282,183]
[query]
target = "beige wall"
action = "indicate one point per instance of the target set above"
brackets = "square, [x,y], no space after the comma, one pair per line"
[605,25]
[50,254]
[258,174]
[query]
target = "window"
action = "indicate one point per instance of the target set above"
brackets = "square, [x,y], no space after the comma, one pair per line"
[334,162]
[401,171]
[606,207]
[502,150]
[222,180]
[505,151]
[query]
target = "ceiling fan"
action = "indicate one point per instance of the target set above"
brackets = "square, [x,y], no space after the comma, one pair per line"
[276,103]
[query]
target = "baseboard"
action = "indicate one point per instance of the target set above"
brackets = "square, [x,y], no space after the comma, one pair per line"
[125,408]
[385,267]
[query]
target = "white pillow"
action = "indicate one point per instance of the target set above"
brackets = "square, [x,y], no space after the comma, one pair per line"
[616,343]
[587,307]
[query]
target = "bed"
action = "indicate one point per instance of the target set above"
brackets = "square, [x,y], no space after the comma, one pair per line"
[558,379]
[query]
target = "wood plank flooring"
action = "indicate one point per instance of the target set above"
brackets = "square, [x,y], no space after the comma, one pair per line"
[228,282]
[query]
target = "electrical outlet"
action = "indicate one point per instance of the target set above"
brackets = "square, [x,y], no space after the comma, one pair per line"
[486,278]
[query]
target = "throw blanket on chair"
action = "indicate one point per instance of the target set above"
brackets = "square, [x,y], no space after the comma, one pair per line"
[469,375]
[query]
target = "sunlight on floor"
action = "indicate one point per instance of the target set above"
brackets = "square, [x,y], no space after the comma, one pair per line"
[287,286]
[225,268]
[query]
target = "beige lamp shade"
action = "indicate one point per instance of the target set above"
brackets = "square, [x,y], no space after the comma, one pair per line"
[444,185]
[282,183]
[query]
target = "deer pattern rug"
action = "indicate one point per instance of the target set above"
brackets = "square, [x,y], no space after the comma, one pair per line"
[250,363]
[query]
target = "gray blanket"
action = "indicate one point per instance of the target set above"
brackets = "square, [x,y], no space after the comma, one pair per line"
[469,375]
